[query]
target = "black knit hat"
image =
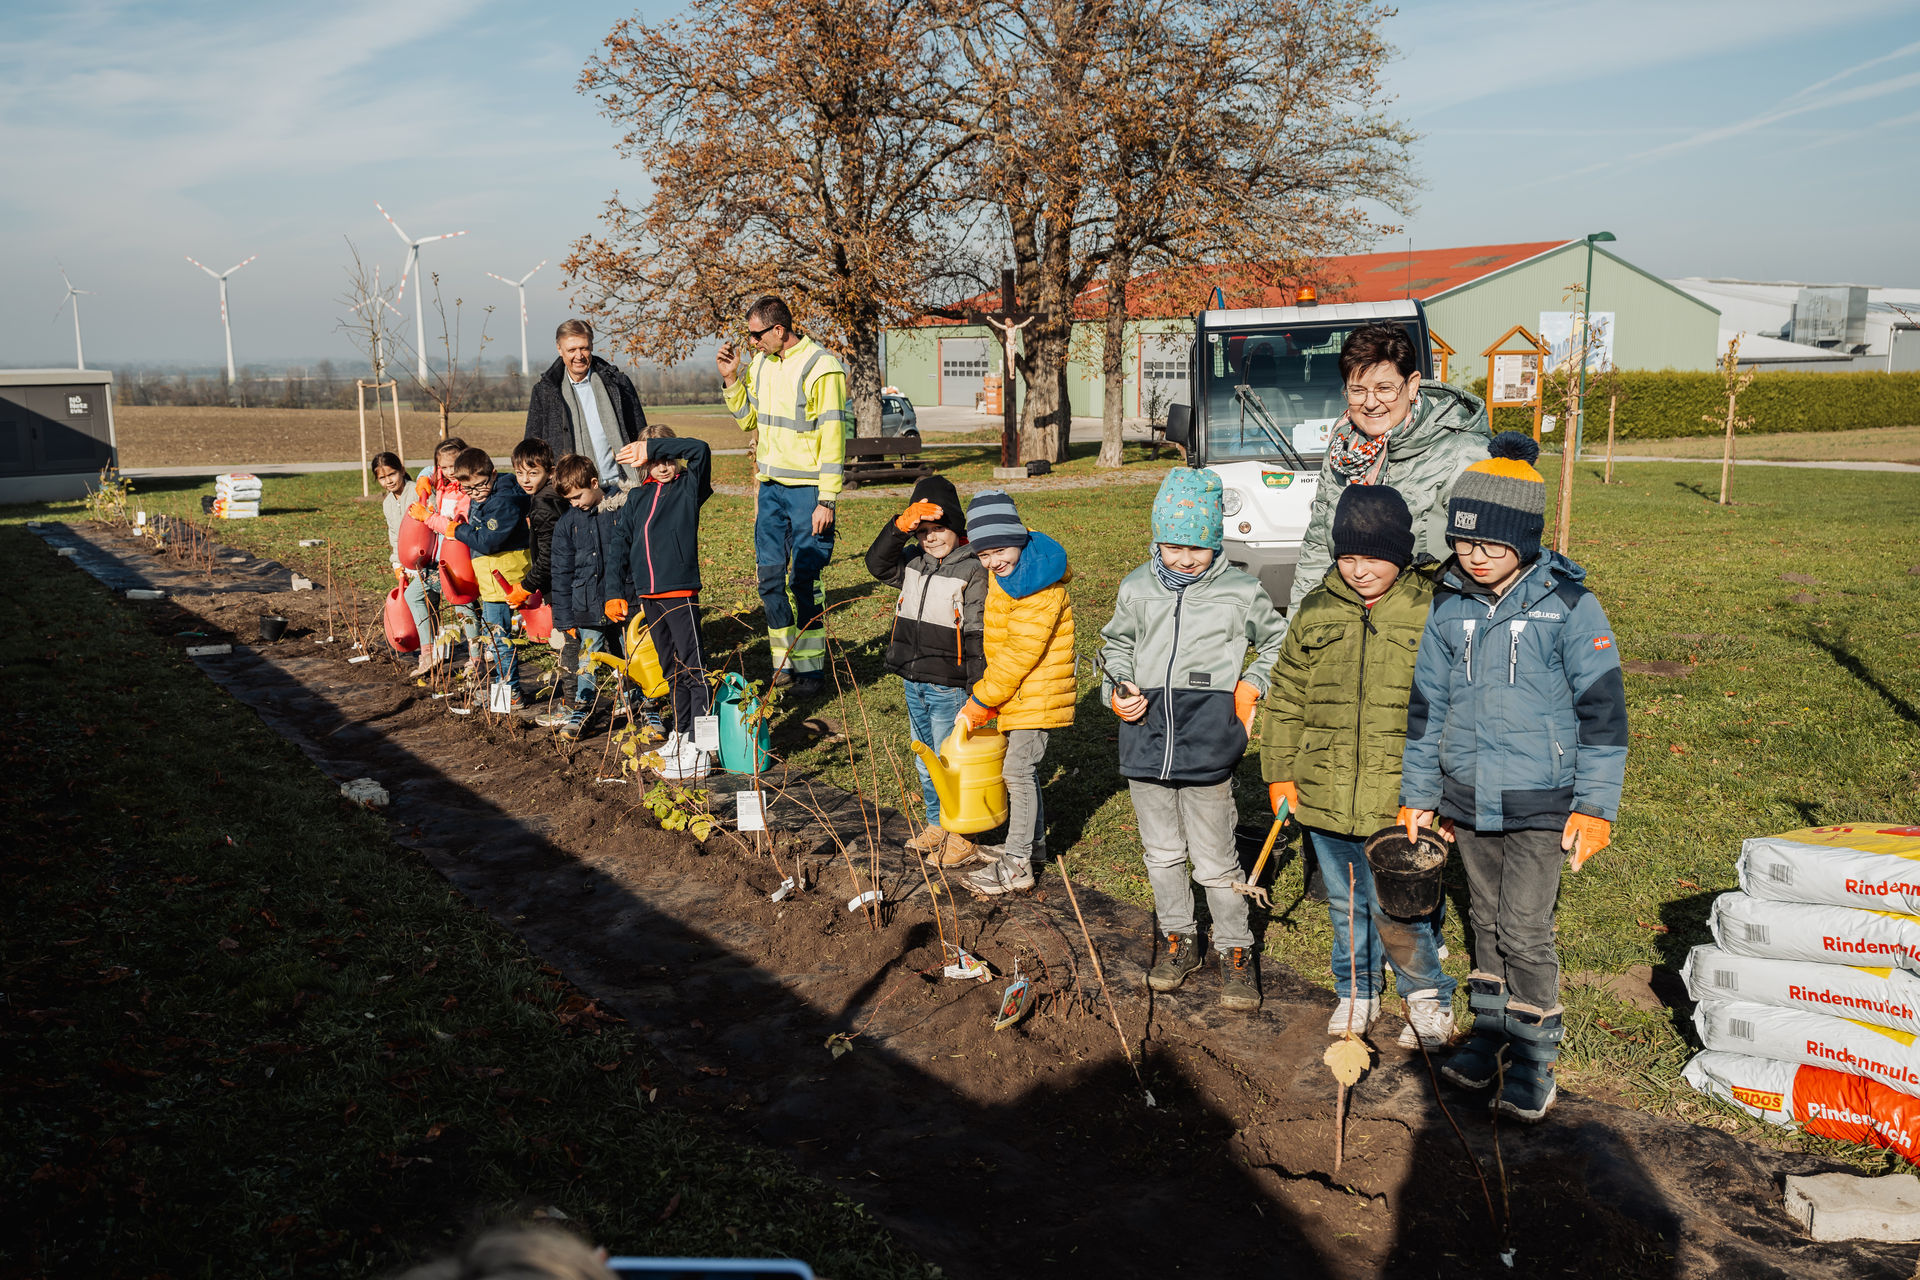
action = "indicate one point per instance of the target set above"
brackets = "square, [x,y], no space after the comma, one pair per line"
[993,521]
[1373,520]
[1502,499]
[940,492]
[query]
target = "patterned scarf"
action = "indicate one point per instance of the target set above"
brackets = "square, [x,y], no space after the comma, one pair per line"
[1354,455]
[1172,580]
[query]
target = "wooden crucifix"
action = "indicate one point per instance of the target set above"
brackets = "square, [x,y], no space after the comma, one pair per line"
[1007,321]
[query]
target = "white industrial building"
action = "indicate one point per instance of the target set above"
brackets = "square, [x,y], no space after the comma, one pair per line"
[1825,327]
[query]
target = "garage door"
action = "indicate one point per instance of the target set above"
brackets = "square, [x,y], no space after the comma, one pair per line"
[1163,373]
[963,369]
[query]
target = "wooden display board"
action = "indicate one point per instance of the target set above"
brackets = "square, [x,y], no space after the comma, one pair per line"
[1442,354]
[1516,366]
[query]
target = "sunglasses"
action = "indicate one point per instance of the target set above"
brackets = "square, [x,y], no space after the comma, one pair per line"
[757,334]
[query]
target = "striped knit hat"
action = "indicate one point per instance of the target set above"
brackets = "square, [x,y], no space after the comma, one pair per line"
[993,521]
[1503,499]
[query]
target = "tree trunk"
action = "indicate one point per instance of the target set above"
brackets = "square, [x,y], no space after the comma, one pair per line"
[1113,357]
[862,359]
[1726,457]
[1046,418]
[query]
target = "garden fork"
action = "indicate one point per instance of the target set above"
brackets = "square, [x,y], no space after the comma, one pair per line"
[1250,887]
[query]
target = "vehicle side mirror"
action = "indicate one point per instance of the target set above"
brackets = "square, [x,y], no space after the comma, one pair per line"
[1179,425]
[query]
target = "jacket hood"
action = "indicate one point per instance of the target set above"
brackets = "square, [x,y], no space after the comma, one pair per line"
[1536,580]
[1042,563]
[615,501]
[1443,410]
[557,371]
[940,491]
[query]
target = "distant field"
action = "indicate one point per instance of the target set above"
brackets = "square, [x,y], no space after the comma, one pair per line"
[1878,444]
[158,436]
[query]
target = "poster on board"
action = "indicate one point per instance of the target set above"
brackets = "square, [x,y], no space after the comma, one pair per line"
[1516,379]
[1560,331]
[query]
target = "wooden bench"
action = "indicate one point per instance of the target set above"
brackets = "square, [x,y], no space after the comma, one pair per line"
[885,458]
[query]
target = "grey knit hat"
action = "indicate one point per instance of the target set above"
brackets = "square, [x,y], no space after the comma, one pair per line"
[993,521]
[1501,500]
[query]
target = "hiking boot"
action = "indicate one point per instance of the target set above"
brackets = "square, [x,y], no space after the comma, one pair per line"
[1179,956]
[1429,1022]
[931,840]
[1000,877]
[1353,1014]
[1527,1087]
[1240,984]
[576,723]
[1477,1061]
[554,716]
[808,686]
[958,851]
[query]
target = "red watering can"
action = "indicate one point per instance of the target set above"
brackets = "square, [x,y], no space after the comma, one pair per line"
[458,583]
[401,633]
[416,545]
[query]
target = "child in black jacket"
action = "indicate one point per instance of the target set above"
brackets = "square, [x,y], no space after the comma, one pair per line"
[533,468]
[657,539]
[585,575]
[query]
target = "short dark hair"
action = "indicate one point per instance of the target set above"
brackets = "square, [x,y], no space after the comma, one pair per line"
[387,459]
[1378,343]
[533,449]
[472,464]
[573,329]
[452,444]
[574,473]
[771,311]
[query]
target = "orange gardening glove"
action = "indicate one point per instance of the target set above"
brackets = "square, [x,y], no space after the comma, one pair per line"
[400,576]
[1585,836]
[1410,819]
[420,512]
[1245,699]
[910,518]
[516,596]
[443,524]
[423,487]
[1278,791]
[617,610]
[977,716]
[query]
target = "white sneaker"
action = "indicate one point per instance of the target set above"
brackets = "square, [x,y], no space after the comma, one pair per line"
[1429,1023]
[685,765]
[1360,1014]
[1003,876]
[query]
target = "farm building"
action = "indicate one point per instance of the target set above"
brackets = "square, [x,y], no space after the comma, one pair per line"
[56,432]
[1472,296]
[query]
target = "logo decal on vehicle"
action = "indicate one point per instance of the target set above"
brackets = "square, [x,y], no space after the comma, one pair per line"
[1276,479]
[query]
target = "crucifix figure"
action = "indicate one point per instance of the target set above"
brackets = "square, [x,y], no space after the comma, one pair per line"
[1007,321]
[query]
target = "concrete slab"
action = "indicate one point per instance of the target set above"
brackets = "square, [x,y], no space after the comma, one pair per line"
[1846,1206]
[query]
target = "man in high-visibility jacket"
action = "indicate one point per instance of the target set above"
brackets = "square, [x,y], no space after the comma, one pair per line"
[794,393]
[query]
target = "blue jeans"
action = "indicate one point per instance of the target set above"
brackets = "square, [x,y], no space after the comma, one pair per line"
[497,615]
[418,585]
[1412,945]
[790,556]
[586,675]
[931,709]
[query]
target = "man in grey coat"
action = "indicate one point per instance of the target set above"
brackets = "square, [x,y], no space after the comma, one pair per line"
[583,404]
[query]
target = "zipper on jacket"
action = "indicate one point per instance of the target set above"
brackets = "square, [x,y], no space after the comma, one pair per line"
[959,641]
[1468,625]
[1166,688]
[646,537]
[1514,629]
[1360,706]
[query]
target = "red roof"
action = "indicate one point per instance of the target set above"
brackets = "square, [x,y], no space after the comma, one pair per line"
[1359,277]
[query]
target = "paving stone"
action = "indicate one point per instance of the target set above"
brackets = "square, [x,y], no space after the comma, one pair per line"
[1846,1206]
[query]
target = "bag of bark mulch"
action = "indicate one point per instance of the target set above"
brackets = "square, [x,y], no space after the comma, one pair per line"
[1812,1039]
[1827,1103]
[1883,997]
[1871,866]
[1748,926]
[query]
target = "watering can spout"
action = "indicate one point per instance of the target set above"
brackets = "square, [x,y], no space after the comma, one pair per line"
[966,777]
[945,784]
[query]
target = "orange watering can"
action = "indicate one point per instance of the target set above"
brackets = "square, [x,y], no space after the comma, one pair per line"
[401,633]
[966,774]
[535,613]
[458,583]
[416,545]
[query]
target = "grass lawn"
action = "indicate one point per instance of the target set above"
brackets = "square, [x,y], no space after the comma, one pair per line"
[1799,705]
[247,1034]
[1876,444]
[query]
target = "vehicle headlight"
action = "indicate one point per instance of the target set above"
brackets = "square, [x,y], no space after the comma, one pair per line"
[1230,502]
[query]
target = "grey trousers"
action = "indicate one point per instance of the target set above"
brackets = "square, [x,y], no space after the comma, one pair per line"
[1182,824]
[1513,879]
[1026,812]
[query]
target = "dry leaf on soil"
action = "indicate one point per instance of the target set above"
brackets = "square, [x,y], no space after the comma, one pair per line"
[1348,1059]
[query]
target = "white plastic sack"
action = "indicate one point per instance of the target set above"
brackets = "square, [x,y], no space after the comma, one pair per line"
[1870,867]
[1814,1039]
[1884,997]
[1831,1104]
[1749,926]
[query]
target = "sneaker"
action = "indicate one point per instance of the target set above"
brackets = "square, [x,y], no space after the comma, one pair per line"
[958,851]
[1000,877]
[1429,1024]
[1240,984]
[651,714]
[928,841]
[1353,1014]
[554,716]
[576,723]
[687,765]
[1179,956]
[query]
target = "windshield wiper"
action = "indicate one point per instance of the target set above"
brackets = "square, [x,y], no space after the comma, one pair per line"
[1251,403]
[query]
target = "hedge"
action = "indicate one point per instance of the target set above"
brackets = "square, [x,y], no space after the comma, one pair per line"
[1664,404]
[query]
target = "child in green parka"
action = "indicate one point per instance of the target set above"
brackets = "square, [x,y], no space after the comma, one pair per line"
[1334,726]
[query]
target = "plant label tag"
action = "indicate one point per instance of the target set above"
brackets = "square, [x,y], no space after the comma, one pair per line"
[706,732]
[313,542]
[139,518]
[966,967]
[207,650]
[499,696]
[786,887]
[871,895]
[750,810]
[365,657]
[139,594]
[1013,1003]
[68,552]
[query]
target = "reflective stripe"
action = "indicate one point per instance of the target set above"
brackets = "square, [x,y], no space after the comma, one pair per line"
[783,473]
[746,411]
[831,415]
[800,426]
[833,469]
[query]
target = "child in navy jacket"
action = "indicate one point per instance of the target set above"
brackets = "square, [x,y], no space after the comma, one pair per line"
[585,575]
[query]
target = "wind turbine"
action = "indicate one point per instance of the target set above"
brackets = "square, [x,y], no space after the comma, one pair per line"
[413,264]
[520,286]
[73,296]
[225,323]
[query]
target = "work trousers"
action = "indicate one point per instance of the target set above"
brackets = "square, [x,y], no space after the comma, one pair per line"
[1412,945]
[674,624]
[790,559]
[1513,879]
[1182,823]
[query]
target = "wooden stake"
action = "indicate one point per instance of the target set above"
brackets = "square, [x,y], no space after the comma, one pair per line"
[360,395]
[1726,456]
[1562,530]
[1613,405]
[1092,954]
[398,446]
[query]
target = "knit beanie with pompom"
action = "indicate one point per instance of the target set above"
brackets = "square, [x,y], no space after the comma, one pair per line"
[1503,499]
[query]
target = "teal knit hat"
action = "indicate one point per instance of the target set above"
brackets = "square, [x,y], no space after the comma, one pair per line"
[1186,511]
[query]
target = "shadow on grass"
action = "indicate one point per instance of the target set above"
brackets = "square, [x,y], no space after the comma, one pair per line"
[1847,660]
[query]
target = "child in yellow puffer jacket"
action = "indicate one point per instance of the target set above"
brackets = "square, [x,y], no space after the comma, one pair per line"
[1029,680]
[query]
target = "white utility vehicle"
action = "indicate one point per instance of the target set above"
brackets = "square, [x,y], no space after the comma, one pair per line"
[1267,391]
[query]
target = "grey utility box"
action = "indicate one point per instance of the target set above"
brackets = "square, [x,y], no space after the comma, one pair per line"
[56,432]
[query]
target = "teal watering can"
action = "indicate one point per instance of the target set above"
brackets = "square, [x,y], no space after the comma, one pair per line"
[743,747]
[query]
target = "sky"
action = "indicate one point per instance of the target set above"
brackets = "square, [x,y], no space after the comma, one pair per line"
[1742,138]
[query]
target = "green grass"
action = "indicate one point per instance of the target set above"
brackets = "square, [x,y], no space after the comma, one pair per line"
[1792,715]
[246,1033]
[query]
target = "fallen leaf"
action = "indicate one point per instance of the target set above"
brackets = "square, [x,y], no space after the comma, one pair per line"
[672,1206]
[1348,1059]
[1657,928]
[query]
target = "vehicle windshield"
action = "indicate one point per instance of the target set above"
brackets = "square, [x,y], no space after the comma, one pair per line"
[1282,381]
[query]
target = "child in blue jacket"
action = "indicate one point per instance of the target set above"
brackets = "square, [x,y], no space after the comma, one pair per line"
[585,575]
[495,531]
[1517,742]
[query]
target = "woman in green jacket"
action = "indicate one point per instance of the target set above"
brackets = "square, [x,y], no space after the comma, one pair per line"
[1331,737]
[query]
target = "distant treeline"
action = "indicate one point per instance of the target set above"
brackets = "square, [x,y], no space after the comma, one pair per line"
[325,386]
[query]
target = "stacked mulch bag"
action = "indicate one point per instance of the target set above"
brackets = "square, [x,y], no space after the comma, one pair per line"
[236,496]
[1809,999]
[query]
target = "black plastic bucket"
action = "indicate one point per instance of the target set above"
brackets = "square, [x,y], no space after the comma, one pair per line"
[1406,873]
[272,627]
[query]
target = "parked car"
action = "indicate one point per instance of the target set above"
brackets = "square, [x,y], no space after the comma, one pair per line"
[897,417]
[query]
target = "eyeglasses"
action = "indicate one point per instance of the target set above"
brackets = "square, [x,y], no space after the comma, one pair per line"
[476,486]
[757,334]
[1360,395]
[1483,550]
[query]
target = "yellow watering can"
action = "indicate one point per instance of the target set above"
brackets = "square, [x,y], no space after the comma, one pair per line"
[643,668]
[966,774]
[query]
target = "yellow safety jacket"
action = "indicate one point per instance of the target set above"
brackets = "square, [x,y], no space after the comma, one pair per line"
[797,401]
